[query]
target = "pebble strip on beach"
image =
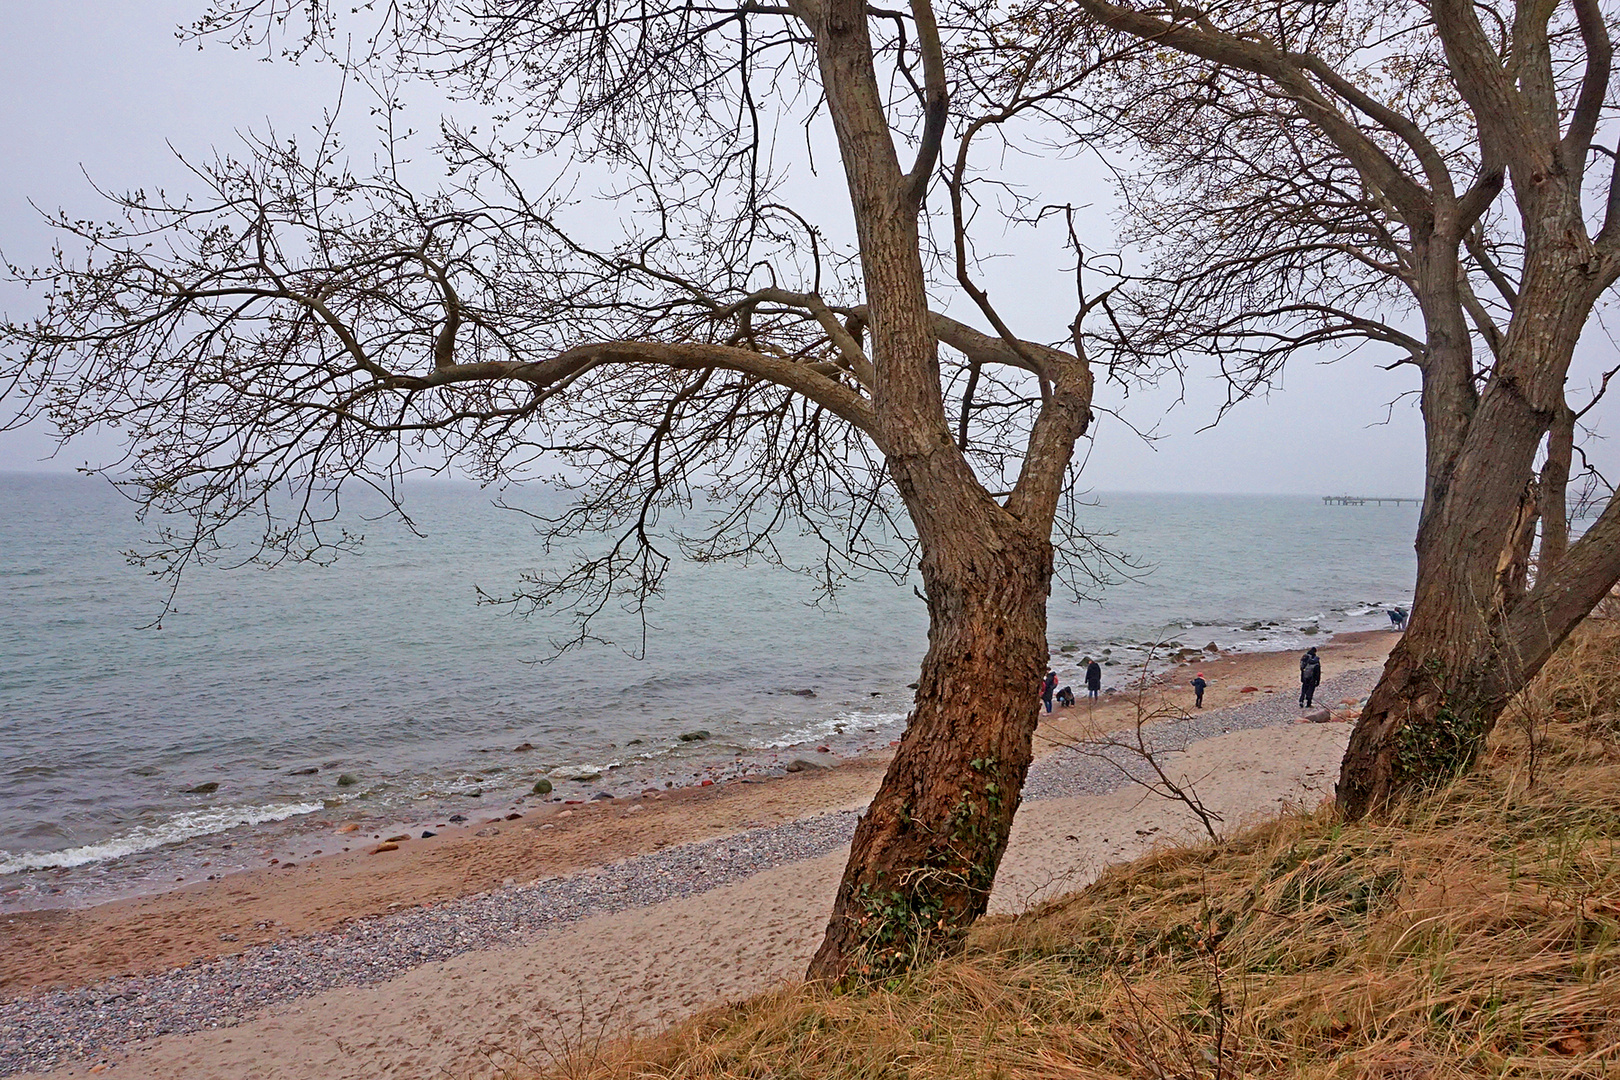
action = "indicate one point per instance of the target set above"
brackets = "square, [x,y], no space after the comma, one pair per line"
[42,1031]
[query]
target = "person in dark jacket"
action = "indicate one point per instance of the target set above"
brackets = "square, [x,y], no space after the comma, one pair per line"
[1198,685]
[1093,678]
[1048,688]
[1310,674]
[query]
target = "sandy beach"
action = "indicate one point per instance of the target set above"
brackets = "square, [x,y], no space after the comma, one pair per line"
[748,869]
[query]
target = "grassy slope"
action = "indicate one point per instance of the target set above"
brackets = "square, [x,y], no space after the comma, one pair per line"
[1474,935]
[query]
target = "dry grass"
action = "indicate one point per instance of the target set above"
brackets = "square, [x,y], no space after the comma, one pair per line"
[1475,935]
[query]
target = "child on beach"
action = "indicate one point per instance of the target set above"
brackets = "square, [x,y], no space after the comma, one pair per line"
[1198,685]
[1065,698]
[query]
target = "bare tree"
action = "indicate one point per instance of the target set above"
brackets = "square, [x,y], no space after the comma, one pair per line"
[1425,177]
[296,325]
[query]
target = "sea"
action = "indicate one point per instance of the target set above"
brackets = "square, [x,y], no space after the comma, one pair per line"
[271,705]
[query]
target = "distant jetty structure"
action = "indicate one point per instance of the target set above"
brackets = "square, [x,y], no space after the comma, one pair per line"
[1363,500]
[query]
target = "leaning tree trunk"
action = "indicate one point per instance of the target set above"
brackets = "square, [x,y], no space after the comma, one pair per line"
[1476,636]
[926,851]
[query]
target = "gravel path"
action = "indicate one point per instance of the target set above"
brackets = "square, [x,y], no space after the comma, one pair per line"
[45,1030]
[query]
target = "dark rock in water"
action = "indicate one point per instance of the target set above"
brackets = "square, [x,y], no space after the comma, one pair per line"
[456,819]
[311,771]
[426,834]
[523,748]
[911,686]
[694,736]
[542,786]
[348,779]
[633,742]
[1251,626]
[204,789]
[587,777]
[600,795]
[803,693]
[145,770]
[1312,629]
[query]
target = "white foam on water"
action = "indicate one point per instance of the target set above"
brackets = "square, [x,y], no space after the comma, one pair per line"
[186,826]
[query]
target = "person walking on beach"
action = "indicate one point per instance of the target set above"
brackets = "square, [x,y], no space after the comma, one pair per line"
[1310,674]
[1093,678]
[1198,685]
[1048,687]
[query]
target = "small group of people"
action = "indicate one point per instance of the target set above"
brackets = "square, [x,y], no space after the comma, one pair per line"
[1397,618]
[1065,696]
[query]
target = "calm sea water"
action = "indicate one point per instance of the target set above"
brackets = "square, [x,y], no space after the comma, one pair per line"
[384,667]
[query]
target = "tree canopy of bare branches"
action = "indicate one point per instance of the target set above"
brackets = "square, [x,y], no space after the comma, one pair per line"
[1430,179]
[670,309]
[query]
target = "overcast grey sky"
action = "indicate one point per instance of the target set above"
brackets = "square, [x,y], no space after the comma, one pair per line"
[102,87]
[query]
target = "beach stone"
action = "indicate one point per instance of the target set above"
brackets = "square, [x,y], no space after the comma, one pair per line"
[694,736]
[397,839]
[386,845]
[811,761]
[472,793]
[350,827]
[426,834]
[311,771]
[491,831]
[600,795]
[1212,647]
[204,789]
[1319,716]
[1249,690]
[513,816]
[456,819]
[587,777]
[542,786]
[1310,629]
[635,808]
[348,779]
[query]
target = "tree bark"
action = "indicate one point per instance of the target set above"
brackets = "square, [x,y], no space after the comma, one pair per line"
[926,851]
[1555,491]
[1468,649]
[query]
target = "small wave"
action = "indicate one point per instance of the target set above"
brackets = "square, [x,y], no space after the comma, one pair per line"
[186,826]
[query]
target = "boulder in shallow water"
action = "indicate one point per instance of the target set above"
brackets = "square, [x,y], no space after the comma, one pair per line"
[542,786]
[348,779]
[204,789]
[694,736]
[311,771]
[523,748]
[585,777]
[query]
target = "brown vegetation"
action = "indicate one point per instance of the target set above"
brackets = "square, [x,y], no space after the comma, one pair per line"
[1473,933]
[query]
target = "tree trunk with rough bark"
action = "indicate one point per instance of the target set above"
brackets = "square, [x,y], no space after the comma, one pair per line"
[926,851]
[1477,634]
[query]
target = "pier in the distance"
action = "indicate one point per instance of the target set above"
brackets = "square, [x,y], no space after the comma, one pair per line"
[1363,500]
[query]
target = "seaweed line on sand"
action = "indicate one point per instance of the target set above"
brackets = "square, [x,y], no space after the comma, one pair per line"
[43,1030]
